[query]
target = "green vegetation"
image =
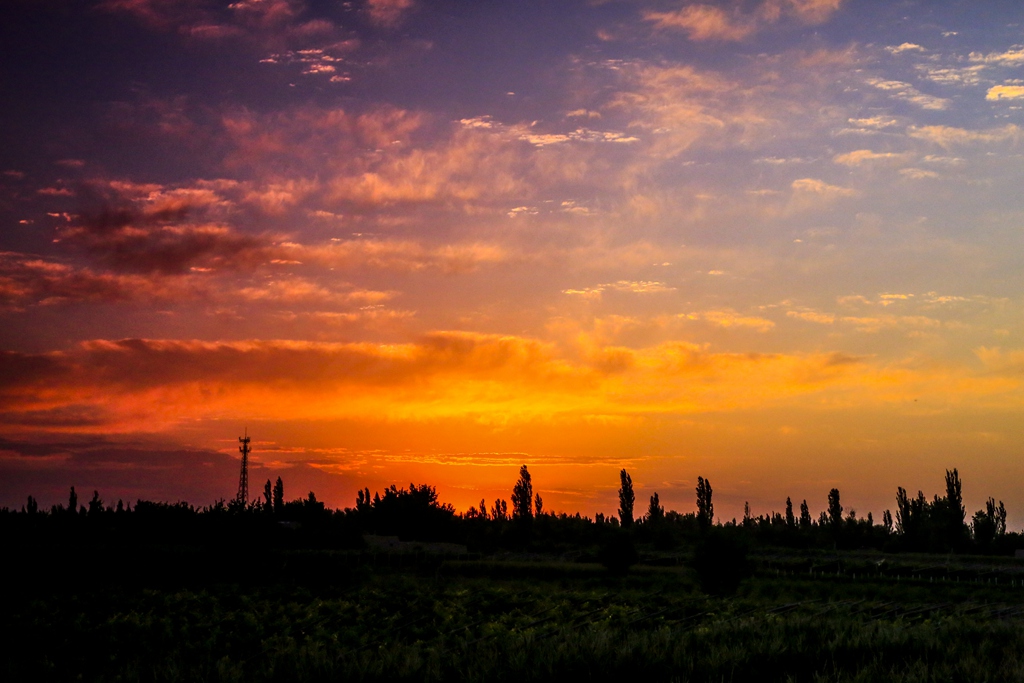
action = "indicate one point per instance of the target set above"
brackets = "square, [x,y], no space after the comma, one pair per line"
[348,615]
[401,587]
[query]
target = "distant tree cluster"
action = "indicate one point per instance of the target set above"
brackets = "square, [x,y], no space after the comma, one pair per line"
[416,513]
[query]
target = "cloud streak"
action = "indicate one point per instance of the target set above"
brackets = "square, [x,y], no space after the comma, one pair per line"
[463,375]
[704,22]
[26,280]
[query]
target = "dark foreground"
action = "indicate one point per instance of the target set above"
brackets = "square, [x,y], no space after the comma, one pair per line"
[361,615]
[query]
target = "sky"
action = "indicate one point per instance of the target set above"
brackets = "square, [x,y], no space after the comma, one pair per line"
[775,243]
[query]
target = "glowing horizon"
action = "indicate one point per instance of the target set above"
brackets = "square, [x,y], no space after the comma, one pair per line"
[775,243]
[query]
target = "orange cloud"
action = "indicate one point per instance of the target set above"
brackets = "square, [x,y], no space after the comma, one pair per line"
[729,318]
[388,12]
[807,11]
[861,157]
[702,22]
[26,280]
[402,255]
[709,22]
[305,138]
[1005,92]
[811,193]
[386,159]
[270,22]
[292,290]
[951,136]
[680,106]
[632,286]
[452,375]
[166,248]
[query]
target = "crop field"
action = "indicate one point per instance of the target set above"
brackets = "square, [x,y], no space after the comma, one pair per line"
[363,617]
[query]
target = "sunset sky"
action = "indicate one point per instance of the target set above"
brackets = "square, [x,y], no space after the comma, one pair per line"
[775,243]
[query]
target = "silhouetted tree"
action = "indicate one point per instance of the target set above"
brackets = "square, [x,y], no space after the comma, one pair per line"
[522,496]
[626,498]
[887,522]
[278,496]
[989,523]
[73,501]
[805,515]
[705,508]
[31,507]
[954,494]
[790,519]
[500,510]
[936,525]
[655,511]
[835,511]
[950,512]
[363,500]
[538,504]
[904,513]
[483,508]
[913,519]
[268,496]
[95,505]
[414,513]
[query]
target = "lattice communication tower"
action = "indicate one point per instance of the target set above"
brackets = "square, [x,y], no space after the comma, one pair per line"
[243,478]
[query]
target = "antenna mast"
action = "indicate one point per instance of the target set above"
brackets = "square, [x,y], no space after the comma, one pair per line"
[243,478]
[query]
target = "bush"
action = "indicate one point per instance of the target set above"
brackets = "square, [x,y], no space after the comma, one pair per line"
[618,553]
[720,561]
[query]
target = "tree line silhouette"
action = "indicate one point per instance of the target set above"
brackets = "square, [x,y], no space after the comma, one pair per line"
[416,513]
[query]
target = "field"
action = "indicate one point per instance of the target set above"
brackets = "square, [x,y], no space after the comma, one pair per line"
[367,616]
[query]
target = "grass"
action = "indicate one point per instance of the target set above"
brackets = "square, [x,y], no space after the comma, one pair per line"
[525,621]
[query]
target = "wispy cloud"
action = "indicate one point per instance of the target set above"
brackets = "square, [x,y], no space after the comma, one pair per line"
[388,12]
[905,47]
[401,255]
[908,93]
[1011,57]
[703,22]
[729,318]
[293,290]
[813,316]
[1005,92]
[812,193]
[630,286]
[27,280]
[861,157]
[269,21]
[710,22]
[951,136]
[133,242]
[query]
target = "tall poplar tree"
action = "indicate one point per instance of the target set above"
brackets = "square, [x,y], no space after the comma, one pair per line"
[705,508]
[522,496]
[626,499]
[835,510]
[656,511]
[279,496]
